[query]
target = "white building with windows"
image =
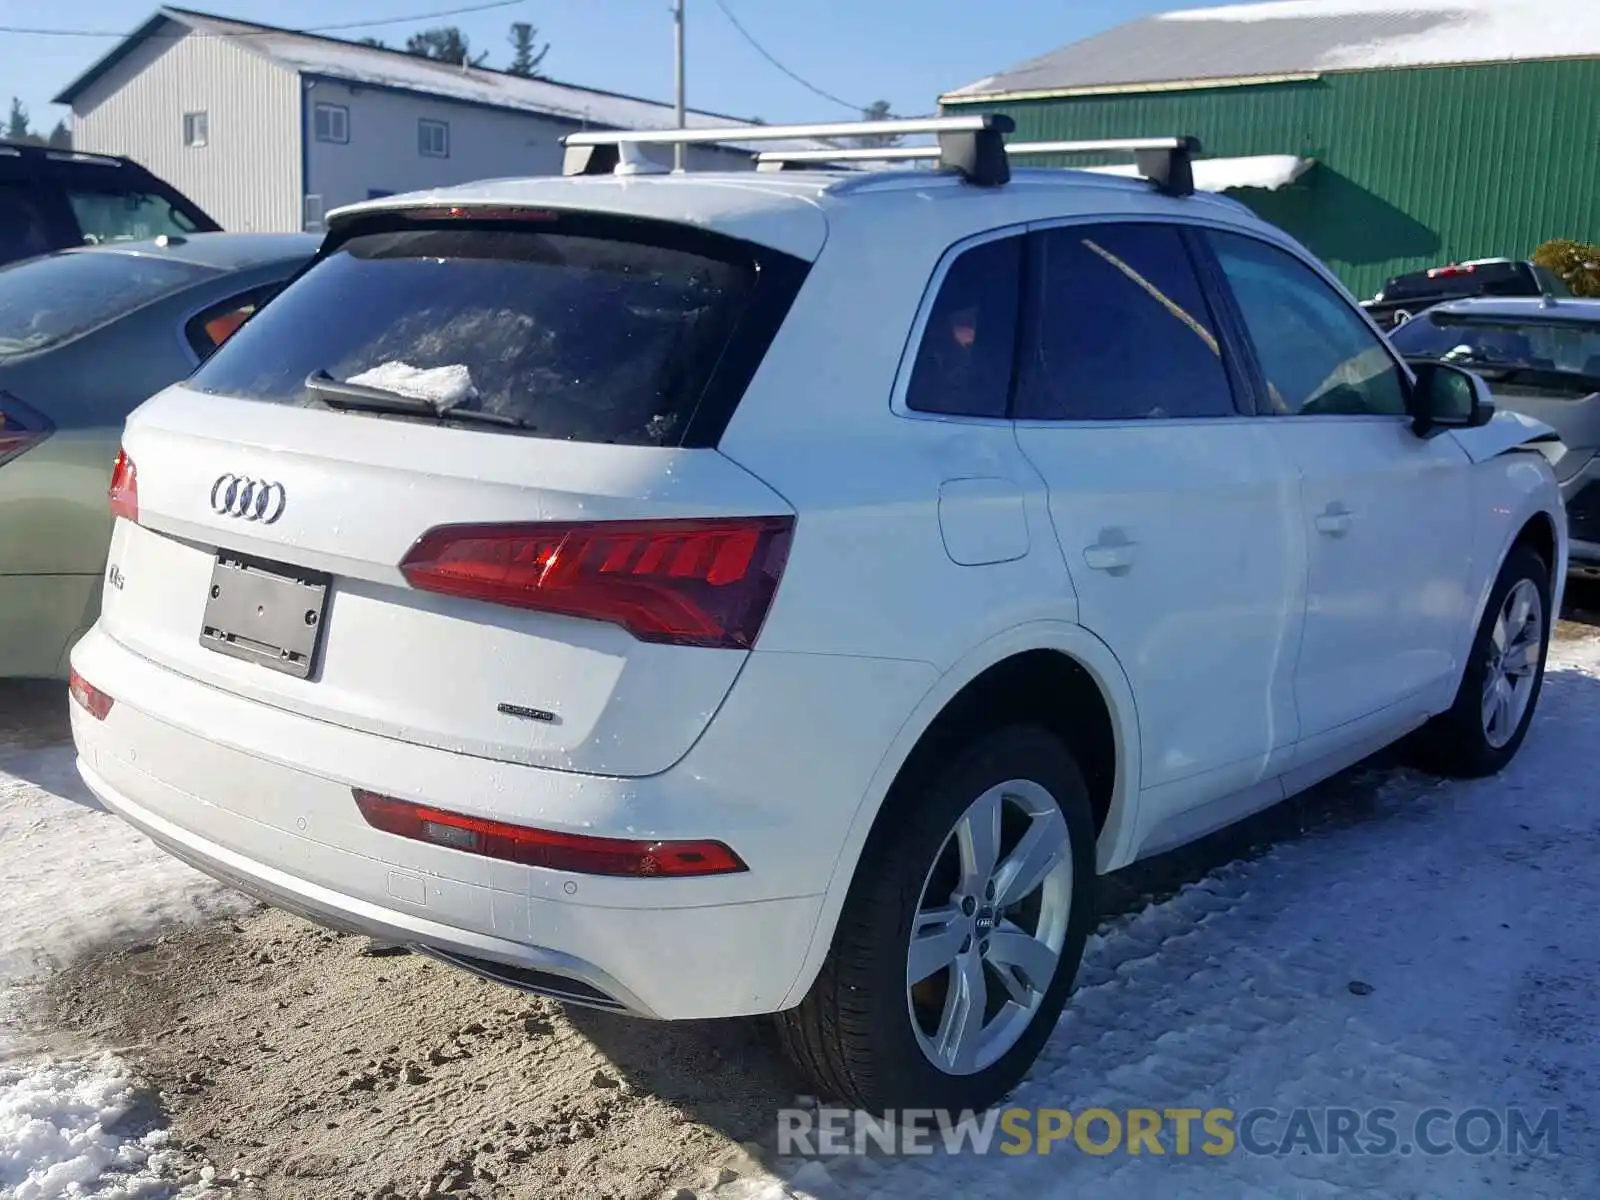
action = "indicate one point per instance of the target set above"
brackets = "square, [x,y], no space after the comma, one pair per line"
[267,129]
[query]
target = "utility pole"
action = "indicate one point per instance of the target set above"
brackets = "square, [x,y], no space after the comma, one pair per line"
[677,17]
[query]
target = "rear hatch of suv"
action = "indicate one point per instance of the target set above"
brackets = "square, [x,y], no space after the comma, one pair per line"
[458,485]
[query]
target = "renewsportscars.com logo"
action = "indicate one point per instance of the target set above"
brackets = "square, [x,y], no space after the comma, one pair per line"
[825,1132]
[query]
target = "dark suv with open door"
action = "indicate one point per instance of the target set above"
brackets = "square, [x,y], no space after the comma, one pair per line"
[52,199]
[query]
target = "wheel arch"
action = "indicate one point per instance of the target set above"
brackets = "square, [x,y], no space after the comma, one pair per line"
[1097,718]
[1534,518]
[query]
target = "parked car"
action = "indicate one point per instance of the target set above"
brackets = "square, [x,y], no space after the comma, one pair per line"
[1540,358]
[52,199]
[1404,296]
[85,335]
[734,594]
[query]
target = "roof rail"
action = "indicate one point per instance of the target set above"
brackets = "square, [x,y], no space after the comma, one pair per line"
[1166,162]
[56,154]
[972,145]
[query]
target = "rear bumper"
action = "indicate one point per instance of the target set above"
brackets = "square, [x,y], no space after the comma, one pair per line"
[261,798]
[562,975]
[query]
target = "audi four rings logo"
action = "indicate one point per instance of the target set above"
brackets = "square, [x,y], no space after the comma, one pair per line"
[251,499]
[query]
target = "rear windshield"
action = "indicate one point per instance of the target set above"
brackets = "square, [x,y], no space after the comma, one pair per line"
[594,334]
[1485,279]
[46,301]
[1565,347]
[107,216]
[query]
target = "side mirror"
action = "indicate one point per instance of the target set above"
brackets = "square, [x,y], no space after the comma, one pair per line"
[1448,397]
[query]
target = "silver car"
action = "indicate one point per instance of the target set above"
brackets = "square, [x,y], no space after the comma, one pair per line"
[1540,357]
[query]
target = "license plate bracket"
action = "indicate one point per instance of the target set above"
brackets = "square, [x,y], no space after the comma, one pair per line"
[264,612]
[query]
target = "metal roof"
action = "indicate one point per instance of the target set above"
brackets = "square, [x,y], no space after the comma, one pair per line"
[334,58]
[1290,39]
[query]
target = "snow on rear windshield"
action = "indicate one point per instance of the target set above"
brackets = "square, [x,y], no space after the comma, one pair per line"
[583,338]
[45,301]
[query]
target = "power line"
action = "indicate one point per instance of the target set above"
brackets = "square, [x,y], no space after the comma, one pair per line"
[762,50]
[424,16]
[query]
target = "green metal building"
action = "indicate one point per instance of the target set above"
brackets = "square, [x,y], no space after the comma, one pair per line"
[1417,132]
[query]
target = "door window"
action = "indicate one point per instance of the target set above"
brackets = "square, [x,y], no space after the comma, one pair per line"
[1121,330]
[963,366]
[1317,356]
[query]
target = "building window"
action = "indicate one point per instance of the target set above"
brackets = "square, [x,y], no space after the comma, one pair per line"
[433,139]
[331,123]
[195,133]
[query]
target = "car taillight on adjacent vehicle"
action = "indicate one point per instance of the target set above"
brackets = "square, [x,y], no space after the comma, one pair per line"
[123,493]
[693,582]
[578,853]
[21,428]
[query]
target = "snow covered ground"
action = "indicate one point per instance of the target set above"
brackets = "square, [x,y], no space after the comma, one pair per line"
[1438,950]
[76,877]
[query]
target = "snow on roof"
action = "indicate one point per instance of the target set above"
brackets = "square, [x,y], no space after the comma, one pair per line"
[333,58]
[1294,37]
[1269,171]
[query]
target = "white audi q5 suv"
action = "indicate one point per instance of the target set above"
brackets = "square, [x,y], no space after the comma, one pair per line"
[787,593]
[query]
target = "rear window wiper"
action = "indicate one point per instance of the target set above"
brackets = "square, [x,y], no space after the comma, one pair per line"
[362,397]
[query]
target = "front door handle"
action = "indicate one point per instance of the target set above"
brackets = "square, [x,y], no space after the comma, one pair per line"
[1335,520]
[1114,553]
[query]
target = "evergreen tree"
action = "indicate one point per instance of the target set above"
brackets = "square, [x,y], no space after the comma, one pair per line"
[444,44]
[525,56]
[878,110]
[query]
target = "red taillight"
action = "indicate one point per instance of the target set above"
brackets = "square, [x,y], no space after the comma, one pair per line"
[543,848]
[95,702]
[14,441]
[1447,272]
[124,490]
[696,582]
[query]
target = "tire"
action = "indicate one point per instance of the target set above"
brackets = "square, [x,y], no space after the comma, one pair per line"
[1459,742]
[860,1032]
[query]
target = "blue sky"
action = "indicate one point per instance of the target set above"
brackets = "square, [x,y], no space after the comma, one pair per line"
[903,51]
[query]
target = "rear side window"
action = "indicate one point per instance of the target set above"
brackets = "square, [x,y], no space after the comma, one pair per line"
[585,330]
[222,320]
[46,301]
[1122,330]
[964,361]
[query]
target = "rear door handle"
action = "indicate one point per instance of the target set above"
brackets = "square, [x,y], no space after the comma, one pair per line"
[1114,553]
[1335,520]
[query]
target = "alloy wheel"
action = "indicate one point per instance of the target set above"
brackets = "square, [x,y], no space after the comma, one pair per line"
[1515,644]
[989,927]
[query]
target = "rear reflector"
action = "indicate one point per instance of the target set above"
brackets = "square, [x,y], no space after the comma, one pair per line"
[95,702]
[543,848]
[124,490]
[696,582]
